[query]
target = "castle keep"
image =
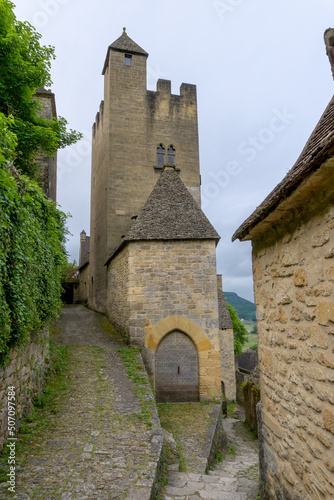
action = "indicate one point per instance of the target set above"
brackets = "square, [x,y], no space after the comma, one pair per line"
[152,259]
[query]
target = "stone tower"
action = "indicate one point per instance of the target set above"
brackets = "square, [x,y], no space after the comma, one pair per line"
[136,132]
[47,165]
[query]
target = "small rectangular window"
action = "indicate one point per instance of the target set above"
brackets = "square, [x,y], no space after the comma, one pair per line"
[127,60]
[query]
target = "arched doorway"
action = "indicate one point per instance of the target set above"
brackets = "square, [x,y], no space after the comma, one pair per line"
[176,369]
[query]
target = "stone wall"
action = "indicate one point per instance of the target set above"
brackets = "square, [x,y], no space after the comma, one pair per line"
[293,266]
[251,390]
[172,286]
[227,363]
[26,372]
[118,289]
[84,281]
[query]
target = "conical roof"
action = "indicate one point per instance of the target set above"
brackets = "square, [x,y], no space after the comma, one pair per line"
[171,213]
[124,44]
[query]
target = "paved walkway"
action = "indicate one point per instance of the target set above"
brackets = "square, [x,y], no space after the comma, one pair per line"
[235,478]
[98,446]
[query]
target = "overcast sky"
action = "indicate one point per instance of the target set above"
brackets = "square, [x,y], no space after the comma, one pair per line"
[263,81]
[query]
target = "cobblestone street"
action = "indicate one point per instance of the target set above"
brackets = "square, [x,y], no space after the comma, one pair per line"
[96,447]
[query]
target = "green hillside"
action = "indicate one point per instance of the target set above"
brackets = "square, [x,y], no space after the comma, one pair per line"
[244,308]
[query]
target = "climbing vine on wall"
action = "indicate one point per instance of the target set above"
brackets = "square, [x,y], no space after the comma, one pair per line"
[32,259]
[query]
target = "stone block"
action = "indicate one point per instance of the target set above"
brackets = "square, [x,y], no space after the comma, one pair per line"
[328,419]
[325,358]
[317,337]
[325,312]
[320,238]
[324,439]
[300,277]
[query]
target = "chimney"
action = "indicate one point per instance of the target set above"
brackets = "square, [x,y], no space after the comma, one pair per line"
[84,248]
[329,42]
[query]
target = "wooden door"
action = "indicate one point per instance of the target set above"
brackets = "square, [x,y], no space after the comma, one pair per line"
[176,369]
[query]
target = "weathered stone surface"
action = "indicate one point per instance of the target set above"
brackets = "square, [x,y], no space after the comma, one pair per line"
[99,445]
[295,328]
[234,478]
[143,275]
[27,371]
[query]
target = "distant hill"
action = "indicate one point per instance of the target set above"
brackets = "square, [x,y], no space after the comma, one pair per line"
[245,308]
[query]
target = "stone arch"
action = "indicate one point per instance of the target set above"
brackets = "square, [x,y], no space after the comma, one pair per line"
[176,369]
[156,333]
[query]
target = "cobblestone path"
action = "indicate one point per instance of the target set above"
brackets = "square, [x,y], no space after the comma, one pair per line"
[235,478]
[97,445]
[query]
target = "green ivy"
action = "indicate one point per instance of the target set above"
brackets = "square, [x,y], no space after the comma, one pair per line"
[32,260]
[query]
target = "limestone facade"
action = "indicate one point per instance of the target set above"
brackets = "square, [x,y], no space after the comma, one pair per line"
[149,300]
[130,126]
[294,294]
[292,235]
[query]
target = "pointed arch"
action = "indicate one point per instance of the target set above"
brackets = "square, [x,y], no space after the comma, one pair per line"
[157,332]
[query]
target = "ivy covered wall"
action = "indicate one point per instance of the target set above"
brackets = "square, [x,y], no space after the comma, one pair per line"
[32,259]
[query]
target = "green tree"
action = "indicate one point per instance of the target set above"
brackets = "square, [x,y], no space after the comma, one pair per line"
[239,331]
[25,66]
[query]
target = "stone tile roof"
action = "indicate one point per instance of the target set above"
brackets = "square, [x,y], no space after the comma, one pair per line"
[124,44]
[248,360]
[318,149]
[225,321]
[171,213]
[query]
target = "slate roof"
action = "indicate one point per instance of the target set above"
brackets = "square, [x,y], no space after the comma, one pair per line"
[225,321]
[317,150]
[248,360]
[171,213]
[124,44]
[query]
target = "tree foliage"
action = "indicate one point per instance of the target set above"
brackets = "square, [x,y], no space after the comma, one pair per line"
[32,229]
[25,66]
[32,259]
[239,331]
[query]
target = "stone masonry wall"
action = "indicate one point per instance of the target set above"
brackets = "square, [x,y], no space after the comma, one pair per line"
[294,278]
[26,372]
[84,282]
[118,289]
[227,362]
[176,278]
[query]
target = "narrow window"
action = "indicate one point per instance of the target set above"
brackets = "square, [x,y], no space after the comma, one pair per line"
[171,155]
[127,60]
[160,156]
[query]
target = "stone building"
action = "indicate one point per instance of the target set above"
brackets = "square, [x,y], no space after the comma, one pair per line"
[47,165]
[152,257]
[83,268]
[135,133]
[292,234]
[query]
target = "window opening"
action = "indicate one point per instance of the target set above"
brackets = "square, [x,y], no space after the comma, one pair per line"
[128,60]
[171,156]
[160,156]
